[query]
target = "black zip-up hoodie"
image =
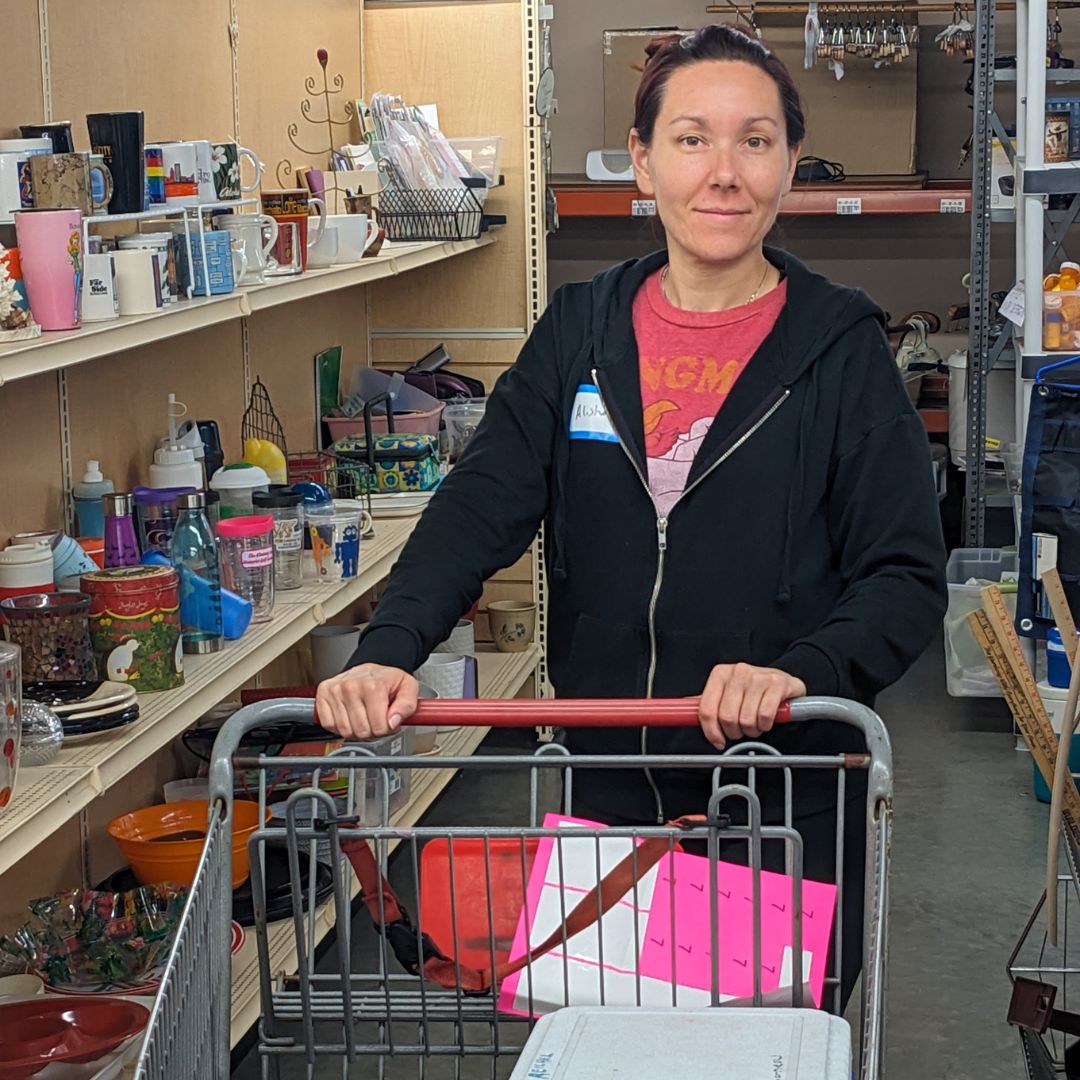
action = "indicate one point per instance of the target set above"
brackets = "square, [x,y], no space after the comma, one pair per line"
[807,539]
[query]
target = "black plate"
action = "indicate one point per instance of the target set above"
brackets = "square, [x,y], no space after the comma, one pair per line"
[96,724]
[61,692]
[278,892]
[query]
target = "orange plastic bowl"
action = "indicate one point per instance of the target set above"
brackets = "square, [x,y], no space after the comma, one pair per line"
[142,837]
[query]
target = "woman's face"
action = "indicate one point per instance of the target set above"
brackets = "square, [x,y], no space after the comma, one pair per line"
[719,162]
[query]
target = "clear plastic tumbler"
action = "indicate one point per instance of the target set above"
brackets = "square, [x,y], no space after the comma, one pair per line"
[247,561]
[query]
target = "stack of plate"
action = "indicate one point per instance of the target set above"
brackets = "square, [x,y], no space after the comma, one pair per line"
[86,709]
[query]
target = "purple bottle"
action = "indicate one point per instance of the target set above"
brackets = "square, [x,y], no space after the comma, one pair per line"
[121,547]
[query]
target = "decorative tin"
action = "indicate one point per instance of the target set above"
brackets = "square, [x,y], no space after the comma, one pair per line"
[135,626]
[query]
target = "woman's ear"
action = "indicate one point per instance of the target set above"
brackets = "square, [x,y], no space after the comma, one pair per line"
[639,158]
[794,153]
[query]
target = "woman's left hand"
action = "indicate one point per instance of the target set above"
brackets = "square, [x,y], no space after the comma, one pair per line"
[740,701]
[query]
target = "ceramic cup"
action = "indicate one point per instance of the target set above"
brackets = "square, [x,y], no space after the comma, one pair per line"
[64,180]
[324,252]
[118,137]
[154,156]
[164,243]
[513,623]
[445,673]
[180,161]
[58,133]
[50,249]
[10,718]
[224,264]
[16,184]
[256,234]
[462,639]
[295,205]
[331,647]
[138,281]
[287,253]
[99,302]
[356,233]
[225,167]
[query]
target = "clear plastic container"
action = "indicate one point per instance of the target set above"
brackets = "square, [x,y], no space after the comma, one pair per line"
[236,484]
[462,419]
[247,561]
[286,507]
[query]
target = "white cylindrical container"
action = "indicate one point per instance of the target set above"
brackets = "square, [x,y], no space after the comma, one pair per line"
[175,467]
[1054,698]
[331,647]
[462,640]
[26,568]
[444,673]
[236,484]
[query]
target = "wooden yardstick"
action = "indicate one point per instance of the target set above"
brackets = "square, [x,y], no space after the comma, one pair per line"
[1059,605]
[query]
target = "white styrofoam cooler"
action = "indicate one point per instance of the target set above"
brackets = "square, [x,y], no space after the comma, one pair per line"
[687,1044]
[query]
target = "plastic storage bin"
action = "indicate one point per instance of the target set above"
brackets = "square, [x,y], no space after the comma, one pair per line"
[967,673]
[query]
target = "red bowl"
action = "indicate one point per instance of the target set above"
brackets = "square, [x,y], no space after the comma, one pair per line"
[38,1032]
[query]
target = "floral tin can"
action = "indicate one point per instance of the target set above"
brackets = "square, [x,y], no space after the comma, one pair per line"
[135,626]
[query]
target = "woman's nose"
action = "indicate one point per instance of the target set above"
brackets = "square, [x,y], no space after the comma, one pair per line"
[723,172]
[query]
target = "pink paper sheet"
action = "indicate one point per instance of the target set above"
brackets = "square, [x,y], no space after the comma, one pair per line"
[691,947]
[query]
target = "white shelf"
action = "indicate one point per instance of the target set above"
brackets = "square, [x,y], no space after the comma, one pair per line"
[55,350]
[501,676]
[48,797]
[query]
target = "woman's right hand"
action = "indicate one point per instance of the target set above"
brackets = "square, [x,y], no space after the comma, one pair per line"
[366,702]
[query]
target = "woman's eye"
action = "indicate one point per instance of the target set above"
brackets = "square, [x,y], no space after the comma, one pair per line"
[757,142]
[690,140]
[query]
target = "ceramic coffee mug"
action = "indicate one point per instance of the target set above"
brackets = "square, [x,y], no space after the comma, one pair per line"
[16,185]
[331,647]
[64,180]
[225,165]
[356,233]
[50,249]
[257,234]
[224,265]
[118,137]
[154,157]
[164,244]
[181,163]
[58,133]
[138,282]
[324,251]
[295,205]
[288,252]
[99,302]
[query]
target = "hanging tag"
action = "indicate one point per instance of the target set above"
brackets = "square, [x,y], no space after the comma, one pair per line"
[1012,307]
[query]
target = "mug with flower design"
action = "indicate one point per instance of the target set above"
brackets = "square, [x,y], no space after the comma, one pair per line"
[10,718]
[225,167]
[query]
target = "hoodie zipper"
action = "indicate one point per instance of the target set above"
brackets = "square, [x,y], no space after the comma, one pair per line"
[661,549]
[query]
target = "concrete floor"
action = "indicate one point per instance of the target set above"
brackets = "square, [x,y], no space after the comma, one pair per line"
[967,841]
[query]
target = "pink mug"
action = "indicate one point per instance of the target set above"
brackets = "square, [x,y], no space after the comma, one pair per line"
[50,248]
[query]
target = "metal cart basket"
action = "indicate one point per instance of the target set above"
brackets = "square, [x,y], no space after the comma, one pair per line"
[418,992]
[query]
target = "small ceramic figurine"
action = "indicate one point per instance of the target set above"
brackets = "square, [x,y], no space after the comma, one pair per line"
[16,321]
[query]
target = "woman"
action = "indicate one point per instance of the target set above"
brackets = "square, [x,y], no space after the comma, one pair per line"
[736,488]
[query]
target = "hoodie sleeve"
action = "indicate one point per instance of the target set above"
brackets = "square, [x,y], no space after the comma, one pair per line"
[483,517]
[884,518]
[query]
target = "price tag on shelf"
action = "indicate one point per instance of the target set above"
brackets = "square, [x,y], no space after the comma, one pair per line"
[849,206]
[1012,307]
[643,208]
[952,206]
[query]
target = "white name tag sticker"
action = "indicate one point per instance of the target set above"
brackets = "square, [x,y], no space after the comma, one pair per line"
[588,420]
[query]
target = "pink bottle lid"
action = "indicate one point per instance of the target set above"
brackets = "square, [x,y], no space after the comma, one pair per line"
[243,527]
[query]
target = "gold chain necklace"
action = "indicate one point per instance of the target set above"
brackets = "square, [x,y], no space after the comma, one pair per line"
[752,297]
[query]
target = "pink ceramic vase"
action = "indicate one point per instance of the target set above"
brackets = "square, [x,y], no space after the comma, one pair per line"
[50,248]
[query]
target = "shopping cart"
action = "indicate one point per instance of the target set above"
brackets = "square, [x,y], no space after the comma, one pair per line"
[426,983]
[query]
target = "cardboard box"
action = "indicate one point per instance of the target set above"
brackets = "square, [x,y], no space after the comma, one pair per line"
[865,121]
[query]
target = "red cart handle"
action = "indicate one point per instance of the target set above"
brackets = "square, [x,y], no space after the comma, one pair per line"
[565,712]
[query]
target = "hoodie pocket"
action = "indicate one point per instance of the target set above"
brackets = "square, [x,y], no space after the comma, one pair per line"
[686,657]
[605,659]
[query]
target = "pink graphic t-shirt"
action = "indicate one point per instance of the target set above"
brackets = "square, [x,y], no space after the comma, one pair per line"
[689,361]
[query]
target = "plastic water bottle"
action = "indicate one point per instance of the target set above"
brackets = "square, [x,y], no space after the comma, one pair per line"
[194,554]
[87,495]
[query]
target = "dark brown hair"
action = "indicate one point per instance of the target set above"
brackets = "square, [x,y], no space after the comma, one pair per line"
[719,41]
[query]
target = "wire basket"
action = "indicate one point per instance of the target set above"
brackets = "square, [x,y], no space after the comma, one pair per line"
[344,479]
[432,214]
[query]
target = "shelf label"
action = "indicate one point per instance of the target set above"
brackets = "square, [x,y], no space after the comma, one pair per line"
[952,206]
[643,208]
[849,206]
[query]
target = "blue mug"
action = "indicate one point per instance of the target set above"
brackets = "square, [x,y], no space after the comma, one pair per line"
[223,265]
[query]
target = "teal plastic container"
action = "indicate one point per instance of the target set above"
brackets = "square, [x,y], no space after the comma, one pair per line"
[1042,792]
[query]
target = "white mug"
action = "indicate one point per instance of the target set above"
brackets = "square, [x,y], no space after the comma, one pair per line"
[180,161]
[356,233]
[16,188]
[204,170]
[323,251]
[138,281]
[99,300]
[157,242]
[249,230]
